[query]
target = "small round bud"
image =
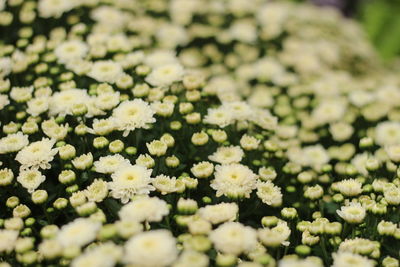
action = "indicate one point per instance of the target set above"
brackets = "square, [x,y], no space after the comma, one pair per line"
[289,213]
[200,139]
[60,203]
[77,199]
[67,152]
[49,231]
[6,177]
[116,146]
[108,231]
[193,118]
[226,260]
[168,139]
[185,108]
[172,162]
[303,250]
[87,209]
[366,142]
[187,206]
[131,150]
[21,211]
[12,202]
[67,177]
[157,148]
[100,142]
[175,125]
[269,221]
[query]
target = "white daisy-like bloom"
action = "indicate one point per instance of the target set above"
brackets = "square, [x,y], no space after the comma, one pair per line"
[30,179]
[107,101]
[6,65]
[359,161]
[329,111]
[130,115]
[202,169]
[90,259]
[352,213]
[348,259]
[392,195]
[62,103]
[218,213]
[221,116]
[387,133]
[13,142]
[79,232]
[170,35]
[164,184]
[359,246]
[234,180]
[97,191]
[361,98]
[71,50]
[38,105]
[348,187]
[4,101]
[155,248]
[160,57]
[103,126]
[165,75]
[7,240]
[315,156]
[234,238]
[54,8]
[129,181]
[144,209]
[21,94]
[298,262]
[106,71]
[269,193]
[37,154]
[276,236]
[243,30]
[393,152]
[110,164]
[227,155]
[192,258]
[264,119]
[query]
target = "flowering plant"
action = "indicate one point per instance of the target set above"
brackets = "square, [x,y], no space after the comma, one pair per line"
[158,133]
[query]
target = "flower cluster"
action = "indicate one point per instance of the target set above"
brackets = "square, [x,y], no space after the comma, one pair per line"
[198,133]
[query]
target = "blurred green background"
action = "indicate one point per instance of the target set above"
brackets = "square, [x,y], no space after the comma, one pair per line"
[380,19]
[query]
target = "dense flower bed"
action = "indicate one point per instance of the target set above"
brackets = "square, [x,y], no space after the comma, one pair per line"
[194,133]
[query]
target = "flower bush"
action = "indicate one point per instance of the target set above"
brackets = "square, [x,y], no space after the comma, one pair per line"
[194,133]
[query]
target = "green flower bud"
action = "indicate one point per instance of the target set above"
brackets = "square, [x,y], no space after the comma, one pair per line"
[21,211]
[116,146]
[226,260]
[6,177]
[49,231]
[269,221]
[303,250]
[67,177]
[131,150]
[60,203]
[172,162]
[12,202]
[67,152]
[108,231]
[87,209]
[175,125]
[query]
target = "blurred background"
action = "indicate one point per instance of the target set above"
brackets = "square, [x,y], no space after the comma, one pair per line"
[380,19]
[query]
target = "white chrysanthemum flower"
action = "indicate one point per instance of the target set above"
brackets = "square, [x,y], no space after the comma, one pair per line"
[234,238]
[192,258]
[359,161]
[219,213]
[160,57]
[348,259]
[54,8]
[129,181]
[13,143]
[227,155]
[276,236]
[165,75]
[90,259]
[107,101]
[295,262]
[38,105]
[221,116]
[269,193]
[37,154]
[130,115]
[79,232]
[97,191]
[4,101]
[314,156]
[234,180]
[170,35]
[329,111]
[103,126]
[359,246]
[30,179]
[145,209]
[7,240]
[62,103]
[387,133]
[71,50]
[393,152]
[202,169]
[155,248]
[105,71]
[349,187]
[110,164]
[21,94]
[264,119]
[164,184]
[392,195]
[244,31]
[352,213]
